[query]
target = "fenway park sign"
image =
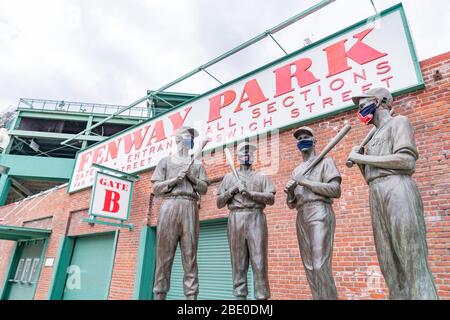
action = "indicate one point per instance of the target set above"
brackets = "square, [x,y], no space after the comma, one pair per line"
[310,83]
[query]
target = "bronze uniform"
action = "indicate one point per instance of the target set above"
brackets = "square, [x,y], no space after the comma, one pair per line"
[315,226]
[397,215]
[247,230]
[178,221]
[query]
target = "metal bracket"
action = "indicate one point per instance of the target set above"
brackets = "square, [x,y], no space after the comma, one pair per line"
[129,176]
[94,220]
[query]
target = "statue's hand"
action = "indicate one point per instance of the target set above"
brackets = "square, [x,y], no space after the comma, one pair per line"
[290,186]
[181,175]
[301,181]
[355,154]
[234,190]
[241,186]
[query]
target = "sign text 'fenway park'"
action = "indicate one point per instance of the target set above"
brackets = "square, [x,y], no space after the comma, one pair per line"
[312,82]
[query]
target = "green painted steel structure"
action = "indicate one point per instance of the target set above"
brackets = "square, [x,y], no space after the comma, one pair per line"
[37,167]
[160,92]
[145,265]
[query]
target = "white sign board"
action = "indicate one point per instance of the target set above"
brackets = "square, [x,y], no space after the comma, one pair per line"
[314,82]
[49,262]
[111,197]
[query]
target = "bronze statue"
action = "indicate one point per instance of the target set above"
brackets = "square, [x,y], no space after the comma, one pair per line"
[247,192]
[180,180]
[395,203]
[311,194]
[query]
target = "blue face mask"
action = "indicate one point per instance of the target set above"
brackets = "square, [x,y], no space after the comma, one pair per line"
[188,142]
[305,144]
[246,159]
[366,114]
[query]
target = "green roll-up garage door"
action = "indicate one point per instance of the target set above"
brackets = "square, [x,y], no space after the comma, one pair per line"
[214,266]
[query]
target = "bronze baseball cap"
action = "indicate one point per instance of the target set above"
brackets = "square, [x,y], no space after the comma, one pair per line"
[193,132]
[381,94]
[300,130]
[246,144]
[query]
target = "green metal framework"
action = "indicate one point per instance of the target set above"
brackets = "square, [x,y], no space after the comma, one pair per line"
[268,33]
[16,233]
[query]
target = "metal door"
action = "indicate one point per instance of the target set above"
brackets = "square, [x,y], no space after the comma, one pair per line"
[22,285]
[89,272]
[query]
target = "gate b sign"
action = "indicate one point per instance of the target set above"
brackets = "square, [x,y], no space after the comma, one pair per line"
[111,197]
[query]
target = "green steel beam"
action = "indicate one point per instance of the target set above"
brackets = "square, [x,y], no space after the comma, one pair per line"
[21,187]
[36,114]
[23,233]
[241,47]
[130,226]
[105,120]
[36,167]
[145,265]
[53,135]
[5,185]
[88,124]
[129,176]
[56,290]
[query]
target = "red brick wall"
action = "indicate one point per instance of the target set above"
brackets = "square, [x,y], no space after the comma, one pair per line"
[355,264]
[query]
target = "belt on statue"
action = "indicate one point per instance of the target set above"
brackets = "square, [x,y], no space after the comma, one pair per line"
[181,196]
[249,210]
[384,178]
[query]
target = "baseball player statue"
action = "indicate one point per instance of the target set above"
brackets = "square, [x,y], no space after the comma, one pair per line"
[180,180]
[312,195]
[395,203]
[247,192]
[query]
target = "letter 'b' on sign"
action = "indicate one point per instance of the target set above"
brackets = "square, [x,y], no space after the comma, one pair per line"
[111,203]
[110,197]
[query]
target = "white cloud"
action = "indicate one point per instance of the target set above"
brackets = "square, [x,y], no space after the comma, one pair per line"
[113,51]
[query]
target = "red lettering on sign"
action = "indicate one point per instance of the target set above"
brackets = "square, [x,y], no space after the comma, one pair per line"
[135,138]
[111,203]
[218,102]
[178,120]
[383,67]
[113,148]
[360,53]
[252,92]
[284,76]
[85,157]
[97,156]
[158,133]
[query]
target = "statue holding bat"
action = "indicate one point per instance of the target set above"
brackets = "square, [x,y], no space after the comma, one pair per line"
[246,193]
[180,179]
[395,203]
[314,184]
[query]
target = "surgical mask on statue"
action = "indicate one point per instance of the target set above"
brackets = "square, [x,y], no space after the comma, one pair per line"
[246,158]
[188,143]
[305,144]
[367,113]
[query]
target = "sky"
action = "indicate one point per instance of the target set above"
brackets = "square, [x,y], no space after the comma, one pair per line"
[113,51]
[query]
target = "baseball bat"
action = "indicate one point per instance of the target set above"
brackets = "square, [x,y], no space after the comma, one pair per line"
[230,162]
[198,152]
[341,134]
[365,141]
